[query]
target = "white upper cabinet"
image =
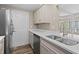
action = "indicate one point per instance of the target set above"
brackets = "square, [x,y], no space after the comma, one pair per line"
[45,14]
[36,17]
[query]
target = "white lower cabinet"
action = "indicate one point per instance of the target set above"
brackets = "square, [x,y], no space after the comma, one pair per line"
[31,39]
[48,48]
[2,46]
[45,50]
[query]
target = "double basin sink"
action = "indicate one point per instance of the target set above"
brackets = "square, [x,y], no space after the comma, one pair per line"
[63,40]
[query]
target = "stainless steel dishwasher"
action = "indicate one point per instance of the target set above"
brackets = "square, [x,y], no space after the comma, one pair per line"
[36,44]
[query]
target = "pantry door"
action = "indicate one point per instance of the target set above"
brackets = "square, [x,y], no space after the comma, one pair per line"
[21,25]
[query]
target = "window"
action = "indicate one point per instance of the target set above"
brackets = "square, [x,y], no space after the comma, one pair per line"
[74,26]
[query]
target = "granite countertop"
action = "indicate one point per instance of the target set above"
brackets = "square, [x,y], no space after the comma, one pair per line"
[44,33]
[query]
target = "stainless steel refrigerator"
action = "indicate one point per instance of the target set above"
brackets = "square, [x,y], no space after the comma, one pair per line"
[6,28]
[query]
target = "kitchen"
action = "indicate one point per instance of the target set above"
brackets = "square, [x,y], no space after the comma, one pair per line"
[39,29]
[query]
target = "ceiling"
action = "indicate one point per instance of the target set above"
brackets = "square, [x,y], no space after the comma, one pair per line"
[67,9]
[64,9]
[27,7]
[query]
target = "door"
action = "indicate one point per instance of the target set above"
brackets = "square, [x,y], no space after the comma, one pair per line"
[21,25]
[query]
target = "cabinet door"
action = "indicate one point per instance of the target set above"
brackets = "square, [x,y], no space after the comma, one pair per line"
[46,15]
[43,11]
[42,14]
[36,16]
[45,50]
[31,39]
[2,46]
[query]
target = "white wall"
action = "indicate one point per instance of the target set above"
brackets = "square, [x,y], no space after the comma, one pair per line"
[21,24]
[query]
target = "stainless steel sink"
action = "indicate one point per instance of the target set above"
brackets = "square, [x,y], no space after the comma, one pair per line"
[62,40]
